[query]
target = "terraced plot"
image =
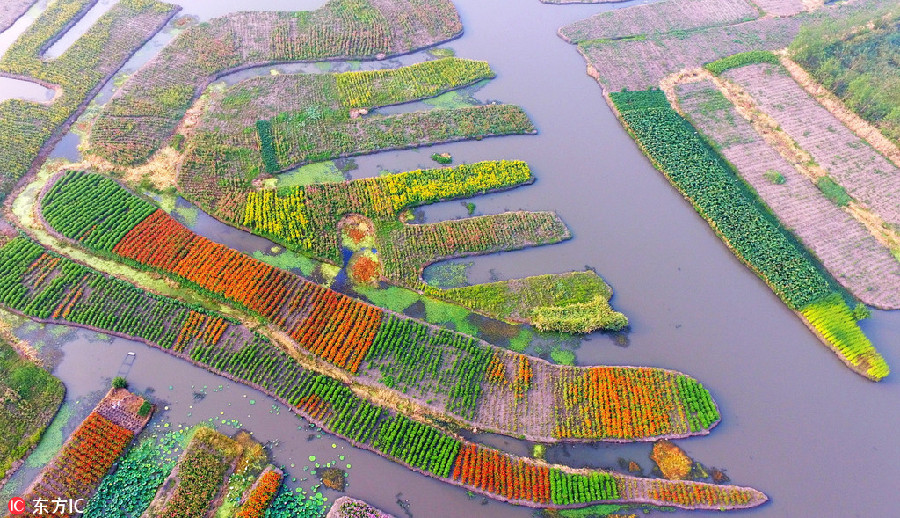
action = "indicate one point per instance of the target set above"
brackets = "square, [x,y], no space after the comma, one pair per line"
[852,255]
[866,175]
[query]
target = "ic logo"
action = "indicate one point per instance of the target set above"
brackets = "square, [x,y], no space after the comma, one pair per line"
[16,506]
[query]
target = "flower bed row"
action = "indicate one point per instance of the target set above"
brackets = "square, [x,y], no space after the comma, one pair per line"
[84,460]
[261,496]
[305,218]
[626,403]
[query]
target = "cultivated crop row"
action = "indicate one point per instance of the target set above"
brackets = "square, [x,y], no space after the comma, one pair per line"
[305,218]
[363,89]
[407,249]
[704,177]
[844,246]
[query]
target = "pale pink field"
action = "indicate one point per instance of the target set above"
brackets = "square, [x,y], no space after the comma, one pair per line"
[659,17]
[866,175]
[843,245]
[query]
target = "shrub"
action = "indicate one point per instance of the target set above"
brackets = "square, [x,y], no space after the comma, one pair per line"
[119,382]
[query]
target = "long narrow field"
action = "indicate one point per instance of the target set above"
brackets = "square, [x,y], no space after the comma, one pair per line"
[88,455]
[865,174]
[407,249]
[27,128]
[650,19]
[145,112]
[383,349]
[38,283]
[737,216]
[844,246]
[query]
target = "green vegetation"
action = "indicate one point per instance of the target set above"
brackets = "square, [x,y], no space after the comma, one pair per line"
[26,127]
[721,198]
[775,177]
[30,398]
[742,59]
[568,488]
[442,158]
[145,409]
[856,58]
[836,322]
[576,302]
[743,221]
[69,210]
[413,358]
[129,490]
[119,383]
[833,191]
[394,86]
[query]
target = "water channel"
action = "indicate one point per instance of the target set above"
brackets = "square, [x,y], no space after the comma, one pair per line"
[797,424]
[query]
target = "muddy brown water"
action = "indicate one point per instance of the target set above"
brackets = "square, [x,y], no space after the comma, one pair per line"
[817,438]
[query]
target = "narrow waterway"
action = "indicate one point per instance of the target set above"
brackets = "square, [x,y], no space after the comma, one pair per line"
[797,424]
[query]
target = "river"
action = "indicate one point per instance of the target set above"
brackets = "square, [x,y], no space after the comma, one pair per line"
[797,424]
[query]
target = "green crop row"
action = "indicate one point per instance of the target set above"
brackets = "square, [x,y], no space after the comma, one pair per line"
[93,209]
[835,321]
[745,224]
[711,185]
[574,488]
[363,89]
[700,409]
[742,59]
[419,445]
[411,357]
